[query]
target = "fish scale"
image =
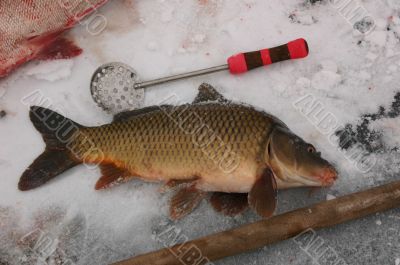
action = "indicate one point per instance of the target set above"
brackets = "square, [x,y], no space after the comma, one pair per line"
[168,143]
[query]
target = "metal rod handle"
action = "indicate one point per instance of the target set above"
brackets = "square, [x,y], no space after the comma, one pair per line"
[181,76]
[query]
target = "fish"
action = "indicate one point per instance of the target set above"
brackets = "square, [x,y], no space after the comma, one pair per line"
[33,29]
[232,153]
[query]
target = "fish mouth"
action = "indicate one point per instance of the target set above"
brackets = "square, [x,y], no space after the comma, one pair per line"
[300,181]
[324,178]
[327,177]
[321,177]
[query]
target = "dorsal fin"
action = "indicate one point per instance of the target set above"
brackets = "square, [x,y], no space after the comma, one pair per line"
[208,93]
[125,115]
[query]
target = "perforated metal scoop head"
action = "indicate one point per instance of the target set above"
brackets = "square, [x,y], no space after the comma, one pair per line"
[112,88]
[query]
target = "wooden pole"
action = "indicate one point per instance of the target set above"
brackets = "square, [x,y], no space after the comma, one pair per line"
[256,235]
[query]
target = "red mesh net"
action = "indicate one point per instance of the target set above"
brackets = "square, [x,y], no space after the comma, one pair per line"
[25,23]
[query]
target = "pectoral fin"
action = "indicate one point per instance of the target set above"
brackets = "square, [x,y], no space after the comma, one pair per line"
[111,175]
[185,201]
[229,204]
[262,196]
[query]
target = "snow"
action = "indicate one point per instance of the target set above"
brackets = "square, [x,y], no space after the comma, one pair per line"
[377,38]
[349,74]
[390,129]
[152,46]
[51,70]
[326,80]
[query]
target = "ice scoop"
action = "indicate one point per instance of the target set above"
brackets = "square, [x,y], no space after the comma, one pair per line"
[115,86]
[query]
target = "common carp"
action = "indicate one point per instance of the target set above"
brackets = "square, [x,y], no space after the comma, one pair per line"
[32,29]
[237,153]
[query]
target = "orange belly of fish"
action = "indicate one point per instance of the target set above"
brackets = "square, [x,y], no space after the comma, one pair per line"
[207,178]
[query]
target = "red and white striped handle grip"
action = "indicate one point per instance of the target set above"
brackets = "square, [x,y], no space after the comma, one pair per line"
[244,62]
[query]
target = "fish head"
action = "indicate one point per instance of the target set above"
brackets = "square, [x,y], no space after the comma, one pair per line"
[297,163]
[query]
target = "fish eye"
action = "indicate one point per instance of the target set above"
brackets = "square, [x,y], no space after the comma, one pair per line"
[311,149]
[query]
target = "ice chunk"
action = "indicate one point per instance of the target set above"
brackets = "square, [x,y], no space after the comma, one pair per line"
[325,80]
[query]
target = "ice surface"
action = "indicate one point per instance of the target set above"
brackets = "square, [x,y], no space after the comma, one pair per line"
[354,77]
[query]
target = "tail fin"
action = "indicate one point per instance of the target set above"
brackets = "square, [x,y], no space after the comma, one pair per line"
[56,130]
